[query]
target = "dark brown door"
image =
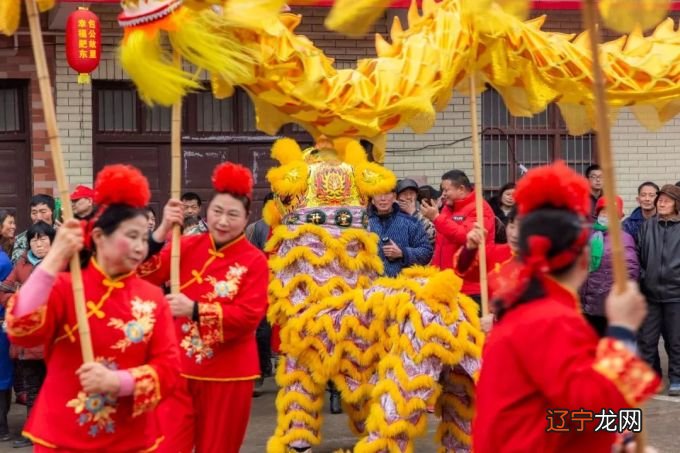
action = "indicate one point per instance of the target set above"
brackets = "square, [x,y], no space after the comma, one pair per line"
[151,159]
[15,161]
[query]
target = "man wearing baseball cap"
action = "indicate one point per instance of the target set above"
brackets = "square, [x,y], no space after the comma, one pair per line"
[407,198]
[81,199]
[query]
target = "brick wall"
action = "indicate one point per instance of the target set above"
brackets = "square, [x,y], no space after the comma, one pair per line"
[20,65]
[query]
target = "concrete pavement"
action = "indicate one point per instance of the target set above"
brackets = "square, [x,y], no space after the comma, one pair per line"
[660,419]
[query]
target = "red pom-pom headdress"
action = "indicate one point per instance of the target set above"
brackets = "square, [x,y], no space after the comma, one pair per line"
[233,179]
[121,184]
[554,185]
[117,184]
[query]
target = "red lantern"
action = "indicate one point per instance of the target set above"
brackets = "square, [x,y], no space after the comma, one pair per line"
[83,42]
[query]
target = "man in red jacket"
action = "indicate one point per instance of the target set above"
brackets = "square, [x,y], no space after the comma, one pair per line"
[456,219]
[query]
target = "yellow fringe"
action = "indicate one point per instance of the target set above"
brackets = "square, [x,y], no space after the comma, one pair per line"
[158,80]
[200,38]
[286,151]
[336,248]
[308,327]
[10,13]
[271,214]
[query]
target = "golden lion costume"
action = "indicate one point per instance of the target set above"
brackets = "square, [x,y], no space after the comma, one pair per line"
[392,346]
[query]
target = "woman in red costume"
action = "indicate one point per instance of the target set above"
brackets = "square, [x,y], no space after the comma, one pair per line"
[222,299]
[106,405]
[542,355]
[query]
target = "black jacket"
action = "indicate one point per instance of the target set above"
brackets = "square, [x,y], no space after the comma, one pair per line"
[659,250]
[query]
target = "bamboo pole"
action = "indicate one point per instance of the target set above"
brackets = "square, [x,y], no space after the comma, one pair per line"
[590,17]
[479,199]
[604,147]
[58,162]
[175,184]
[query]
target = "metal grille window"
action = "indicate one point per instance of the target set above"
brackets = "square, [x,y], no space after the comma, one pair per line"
[117,109]
[512,145]
[246,111]
[120,110]
[10,108]
[158,119]
[214,115]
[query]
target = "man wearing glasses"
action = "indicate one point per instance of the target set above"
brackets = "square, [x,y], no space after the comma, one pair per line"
[594,175]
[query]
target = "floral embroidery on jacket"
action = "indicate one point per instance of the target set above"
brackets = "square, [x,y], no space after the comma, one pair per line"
[95,410]
[138,329]
[193,344]
[229,286]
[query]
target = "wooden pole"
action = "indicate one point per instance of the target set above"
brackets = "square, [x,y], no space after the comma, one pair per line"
[176,184]
[604,152]
[58,162]
[479,198]
[590,17]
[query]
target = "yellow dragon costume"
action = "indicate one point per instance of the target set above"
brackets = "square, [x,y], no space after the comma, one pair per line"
[248,43]
[392,346]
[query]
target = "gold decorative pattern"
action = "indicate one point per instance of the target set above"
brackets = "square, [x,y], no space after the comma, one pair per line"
[149,266]
[330,183]
[24,326]
[631,375]
[147,393]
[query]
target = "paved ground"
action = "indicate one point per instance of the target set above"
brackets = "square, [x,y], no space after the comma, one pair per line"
[661,418]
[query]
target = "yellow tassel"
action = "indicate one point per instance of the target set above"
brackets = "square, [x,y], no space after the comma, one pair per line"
[84,79]
[10,12]
[158,80]
[199,37]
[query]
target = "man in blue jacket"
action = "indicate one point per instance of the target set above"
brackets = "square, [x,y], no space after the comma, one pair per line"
[646,197]
[403,241]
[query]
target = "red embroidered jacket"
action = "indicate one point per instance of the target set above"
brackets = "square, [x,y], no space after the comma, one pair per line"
[541,356]
[230,286]
[131,329]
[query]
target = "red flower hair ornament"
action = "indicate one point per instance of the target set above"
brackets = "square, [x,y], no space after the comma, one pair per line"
[121,184]
[233,179]
[555,185]
[117,184]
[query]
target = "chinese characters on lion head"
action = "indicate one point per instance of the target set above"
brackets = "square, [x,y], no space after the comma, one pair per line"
[392,346]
